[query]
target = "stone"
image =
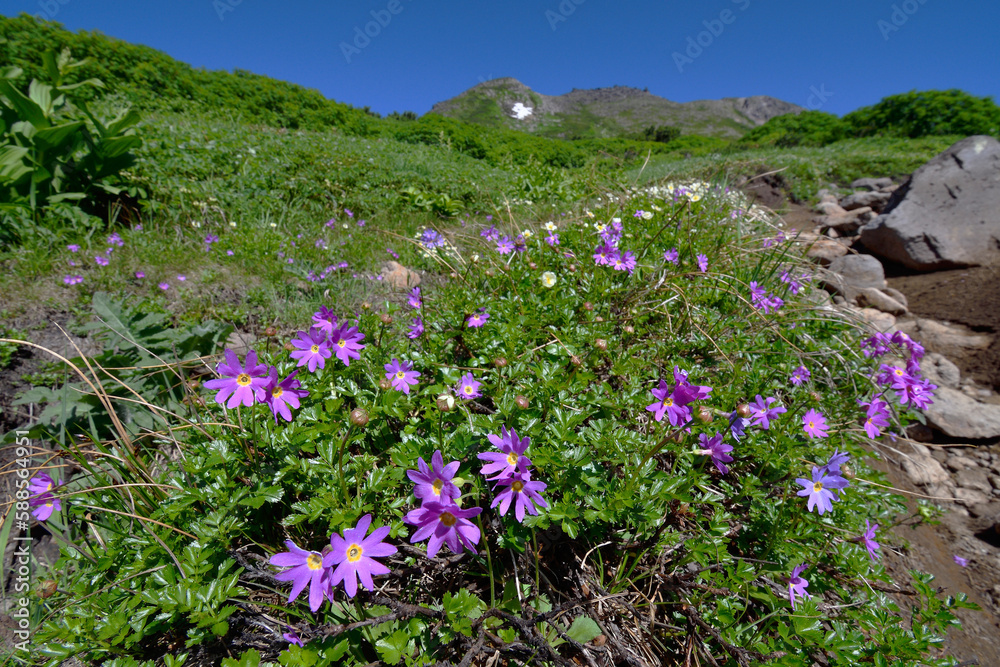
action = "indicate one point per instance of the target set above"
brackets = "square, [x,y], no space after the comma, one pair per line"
[869,296]
[995,482]
[970,497]
[853,272]
[947,214]
[399,276]
[241,342]
[959,462]
[975,479]
[925,471]
[959,416]
[920,433]
[877,320]
[870,200]
[847,222]
[936,368]
[951,340]
[871,183]
[828,206]
[897,295]
[940,492]
[824,250]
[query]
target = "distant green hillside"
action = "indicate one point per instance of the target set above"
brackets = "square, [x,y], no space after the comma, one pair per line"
[606,112]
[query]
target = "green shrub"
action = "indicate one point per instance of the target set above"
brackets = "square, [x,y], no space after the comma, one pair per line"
[809,128]
[927,113]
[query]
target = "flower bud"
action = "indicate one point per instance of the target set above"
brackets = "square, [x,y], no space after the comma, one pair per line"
[571,268]
[521,401]
[386,318]
[629,329]
[359,417]
[365,305]
[289,347]
[445,402]
[500,362]
[704,415]
[385,384]
[743,410]
[598,319]
[814,395]
[489,273]
[846,472]
[453,275]
[532,266]
[601,344]
[46,589]
[588,306]
[270,332]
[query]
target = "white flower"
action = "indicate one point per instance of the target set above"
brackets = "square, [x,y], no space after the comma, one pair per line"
[616,219]
[599,226]
[527,234]
[588,212]
[232,224]
[646,215]
[274,224]
[551,226]
[474,258]
[548,279]
[345,226]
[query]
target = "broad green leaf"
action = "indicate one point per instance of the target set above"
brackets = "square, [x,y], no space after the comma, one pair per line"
[584,629]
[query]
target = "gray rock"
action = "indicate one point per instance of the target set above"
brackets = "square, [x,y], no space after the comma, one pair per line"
[951,340]
[959,462]
[925,471]
[975,479]
[959,416]
[995,482]
[920,433]
[871,183]
[859,271]
[847,222]
[824,250]
[877,320]
[947,215]
[399,276]
[872,200]
[897,295]
[869,296]
[970,497]
[936,368]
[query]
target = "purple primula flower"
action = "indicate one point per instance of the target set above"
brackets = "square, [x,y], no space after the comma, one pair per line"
[837,459]
[468,387]
[346,343]
[552,239]
[876,417]
[284,395]
[503,465]
[818,490]
[416,329]
[868,539]
[444,523]
[876,345]
[505,246]
[434,483]
[291,637]
[42,483]
[306,568]
[431,239]
[604,254]
[797,585]
[164,286]
[414,301]
[140,274]
[961,561]
[625,262]
[354,555]
[761,414]
[800,375]
[702,262]
[477,319]
[671,403]
[793,285]
[814,424]
[45,505]
[672,256]
[402,375]
[73,279]
[102,261]
[241,384]
[700,392]
[324,320]
[490,233]
[763,301]
[523,492]
[738,425]
[313,349]
[72,247]
[718,450]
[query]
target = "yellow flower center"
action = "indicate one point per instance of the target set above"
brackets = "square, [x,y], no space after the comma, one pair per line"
[517,486]
[437,486]
[467,389]
[898,371]
[668,402]
[400,375]
[314,349]
[448,519]
[242,379]
[817,487]
[812,424]
[277,392]
[512,458]
[354,553]
[314,561]
[341,343]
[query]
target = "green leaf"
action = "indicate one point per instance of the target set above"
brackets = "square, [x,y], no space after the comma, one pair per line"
[584,629]
[393,647]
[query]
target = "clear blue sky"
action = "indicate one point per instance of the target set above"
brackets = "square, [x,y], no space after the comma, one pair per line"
[836,56]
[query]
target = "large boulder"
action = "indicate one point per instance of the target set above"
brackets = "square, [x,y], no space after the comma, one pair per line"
[947,215]
[956,415]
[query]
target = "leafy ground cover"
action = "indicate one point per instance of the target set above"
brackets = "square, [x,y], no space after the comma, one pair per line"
[628,434]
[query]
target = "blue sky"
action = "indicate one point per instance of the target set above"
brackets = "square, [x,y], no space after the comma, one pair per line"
[835,56]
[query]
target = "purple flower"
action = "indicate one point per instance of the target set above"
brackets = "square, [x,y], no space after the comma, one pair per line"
[552,239]
[490,233]
[241,384]
[346,343]
[818,490]
[416,329]
[672,256]
[799,376]
[102,261]
[181,278]
[876,417]
[797,585]
[402,375]
[793,285]
[291,637]
[313,349]
[477,319]
[444,524]
[738,425]
[624,262]
[164,286]
[354,555]
[431,239]
[876,346]
[761,414]
[434,483]
[961,561]
[350,213]
[140,274]
[73,279]
[523,492]
[718,450]
[702,262]
[814,424]
[604,254]
[42,483]
[868,539]
[671,402]
[761,300]
[281,396]
[324,320]
[505,246]
[510,460]
[44,505]
[837,459]
[468,387]
[72,247]
[414,299]
[306,568]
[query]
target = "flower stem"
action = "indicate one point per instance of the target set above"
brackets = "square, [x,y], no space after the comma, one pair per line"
[340,462]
